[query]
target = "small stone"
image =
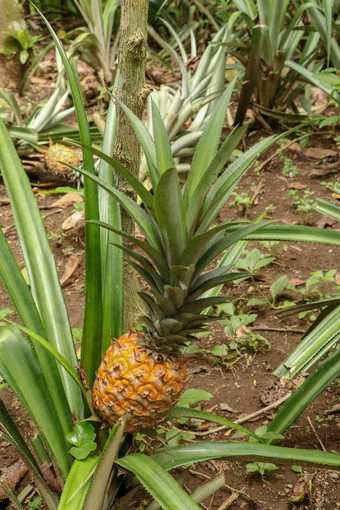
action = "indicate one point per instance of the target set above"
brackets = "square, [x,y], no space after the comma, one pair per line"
[226,407]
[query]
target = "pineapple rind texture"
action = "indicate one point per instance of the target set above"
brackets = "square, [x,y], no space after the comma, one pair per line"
[59,152]
[134,381]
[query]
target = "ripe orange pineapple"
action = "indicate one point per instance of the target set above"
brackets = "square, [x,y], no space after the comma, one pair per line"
[145,384]
[142,374]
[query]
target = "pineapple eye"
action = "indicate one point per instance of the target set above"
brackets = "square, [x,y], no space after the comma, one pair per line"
[159,359]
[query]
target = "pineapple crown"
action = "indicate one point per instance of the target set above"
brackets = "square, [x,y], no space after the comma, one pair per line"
[177,222]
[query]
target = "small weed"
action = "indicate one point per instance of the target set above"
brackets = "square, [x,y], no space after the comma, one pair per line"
[302,203]
[242,201]
[317,284]
[288,168]
[35,504]
[55,235]
[261,468]
[78,206]
[253,261]
[235,327]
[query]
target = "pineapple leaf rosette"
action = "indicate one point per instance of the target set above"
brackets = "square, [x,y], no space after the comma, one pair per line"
[142,374]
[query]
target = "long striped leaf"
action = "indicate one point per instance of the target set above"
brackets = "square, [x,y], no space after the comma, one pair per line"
[135,183]
[154,255]
[134,210]
[24,447]
[297,233]
[328,208]
[111,257]
[96,494]
[179,411]
[146,141]
[204,450]
[169,208]
[209,175]
[162,486]
[92,325]
[198,243]
[207,146]
[39,260]
[225,184]
[8,425]
[28,314]
[63,361]
[213,251]
[78,483]
[29,386]
[162,144]
[321,377]
[313,346]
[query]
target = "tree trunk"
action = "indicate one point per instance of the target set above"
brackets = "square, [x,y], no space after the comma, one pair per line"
[131,90]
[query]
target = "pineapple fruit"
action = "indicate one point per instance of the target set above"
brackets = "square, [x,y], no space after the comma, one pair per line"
[142,373]
[55,154]
[135,380]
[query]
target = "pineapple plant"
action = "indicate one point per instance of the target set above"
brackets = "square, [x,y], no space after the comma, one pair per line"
[142,374]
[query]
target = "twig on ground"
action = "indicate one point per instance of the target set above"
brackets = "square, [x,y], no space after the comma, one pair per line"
[280,330]
[316,434]
[233,497]
[268,160]
[248,417]
[257,191]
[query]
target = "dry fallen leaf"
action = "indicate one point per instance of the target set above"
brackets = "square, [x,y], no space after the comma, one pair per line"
[296,281]
[73,220]
[67,199]
[71,271]
[301,490]
[319,152]
[50,476]
[297,185]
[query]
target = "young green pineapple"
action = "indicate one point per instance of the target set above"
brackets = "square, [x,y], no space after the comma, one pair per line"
[142,374]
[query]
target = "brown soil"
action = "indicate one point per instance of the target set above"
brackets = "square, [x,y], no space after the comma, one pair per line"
[241,387]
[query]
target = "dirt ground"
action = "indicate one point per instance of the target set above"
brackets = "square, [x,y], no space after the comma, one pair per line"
[244,384]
